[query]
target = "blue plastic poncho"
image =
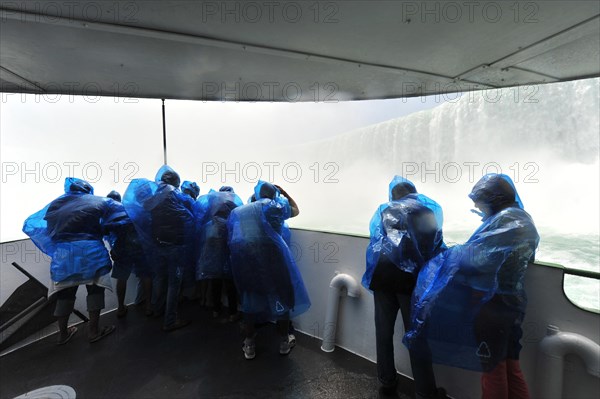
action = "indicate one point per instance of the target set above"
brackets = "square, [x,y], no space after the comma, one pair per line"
[399,187]
[471,297]
[190,188]
[407,230]
[495,192]
[233,196]
[265,190]
[161,214]
[285,228]
[167,175]
[70,230]
[286,234]
[123,239]
[267,278]
[212,212]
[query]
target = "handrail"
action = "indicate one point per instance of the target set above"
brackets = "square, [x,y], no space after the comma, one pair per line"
[569,271]
[32,278]
[23,313]
[583,273]
[28,275]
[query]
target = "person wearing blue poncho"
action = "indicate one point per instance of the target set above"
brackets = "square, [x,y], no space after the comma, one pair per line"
[163,218]
[190,188]
[470,301]
[188,284]
[405,233]
[70,230]
[213,266]
[127,256]
[266,276]
[286,234]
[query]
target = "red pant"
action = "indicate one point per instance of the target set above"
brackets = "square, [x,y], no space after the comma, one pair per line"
[506,381]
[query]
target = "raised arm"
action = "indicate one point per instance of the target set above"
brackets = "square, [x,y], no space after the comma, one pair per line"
[293,205]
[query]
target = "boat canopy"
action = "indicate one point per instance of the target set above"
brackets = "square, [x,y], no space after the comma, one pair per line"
[293,50]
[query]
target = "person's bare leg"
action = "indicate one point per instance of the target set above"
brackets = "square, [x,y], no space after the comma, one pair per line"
[65,303]
[63,327]
[93,323]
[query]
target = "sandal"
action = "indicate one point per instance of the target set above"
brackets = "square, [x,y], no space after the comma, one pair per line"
[105,331]
[71,332]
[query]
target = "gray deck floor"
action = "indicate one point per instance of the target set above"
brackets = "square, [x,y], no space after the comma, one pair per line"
[203,360]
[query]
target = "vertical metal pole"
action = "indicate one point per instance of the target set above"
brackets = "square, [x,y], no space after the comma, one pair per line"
[164,131]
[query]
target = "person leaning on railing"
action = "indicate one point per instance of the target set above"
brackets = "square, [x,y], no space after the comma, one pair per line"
[405,233]
[470,300]
[70,230]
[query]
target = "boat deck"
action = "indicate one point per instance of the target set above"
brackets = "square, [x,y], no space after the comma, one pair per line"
[203,360]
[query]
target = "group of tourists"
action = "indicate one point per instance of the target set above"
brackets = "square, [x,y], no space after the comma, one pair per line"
[174,241]
[461,306]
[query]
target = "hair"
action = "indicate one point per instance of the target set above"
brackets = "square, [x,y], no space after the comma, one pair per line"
[402,189]
[495,192]
[81,186]
[114,195]
[170,177]
[267,190]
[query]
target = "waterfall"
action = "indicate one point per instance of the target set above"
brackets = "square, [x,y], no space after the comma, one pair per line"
[559,120]
[545,137]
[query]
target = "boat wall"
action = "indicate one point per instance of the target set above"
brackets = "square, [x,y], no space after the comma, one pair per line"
[27,255]
[321,255]
[356,329]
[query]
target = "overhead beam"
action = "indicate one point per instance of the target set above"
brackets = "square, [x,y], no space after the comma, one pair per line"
[575,32]
[588,27]
[18,80]
[18,15]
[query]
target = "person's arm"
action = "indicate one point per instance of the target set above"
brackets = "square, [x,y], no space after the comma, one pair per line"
[293,205]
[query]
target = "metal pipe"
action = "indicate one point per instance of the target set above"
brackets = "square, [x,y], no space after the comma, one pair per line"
[550,363]
[335,288]
[164,131]
[25,312]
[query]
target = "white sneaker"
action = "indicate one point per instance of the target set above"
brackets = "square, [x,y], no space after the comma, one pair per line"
[285,346]
[249,348]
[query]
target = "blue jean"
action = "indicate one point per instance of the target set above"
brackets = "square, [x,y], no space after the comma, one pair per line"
[166,285]
[387,304]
